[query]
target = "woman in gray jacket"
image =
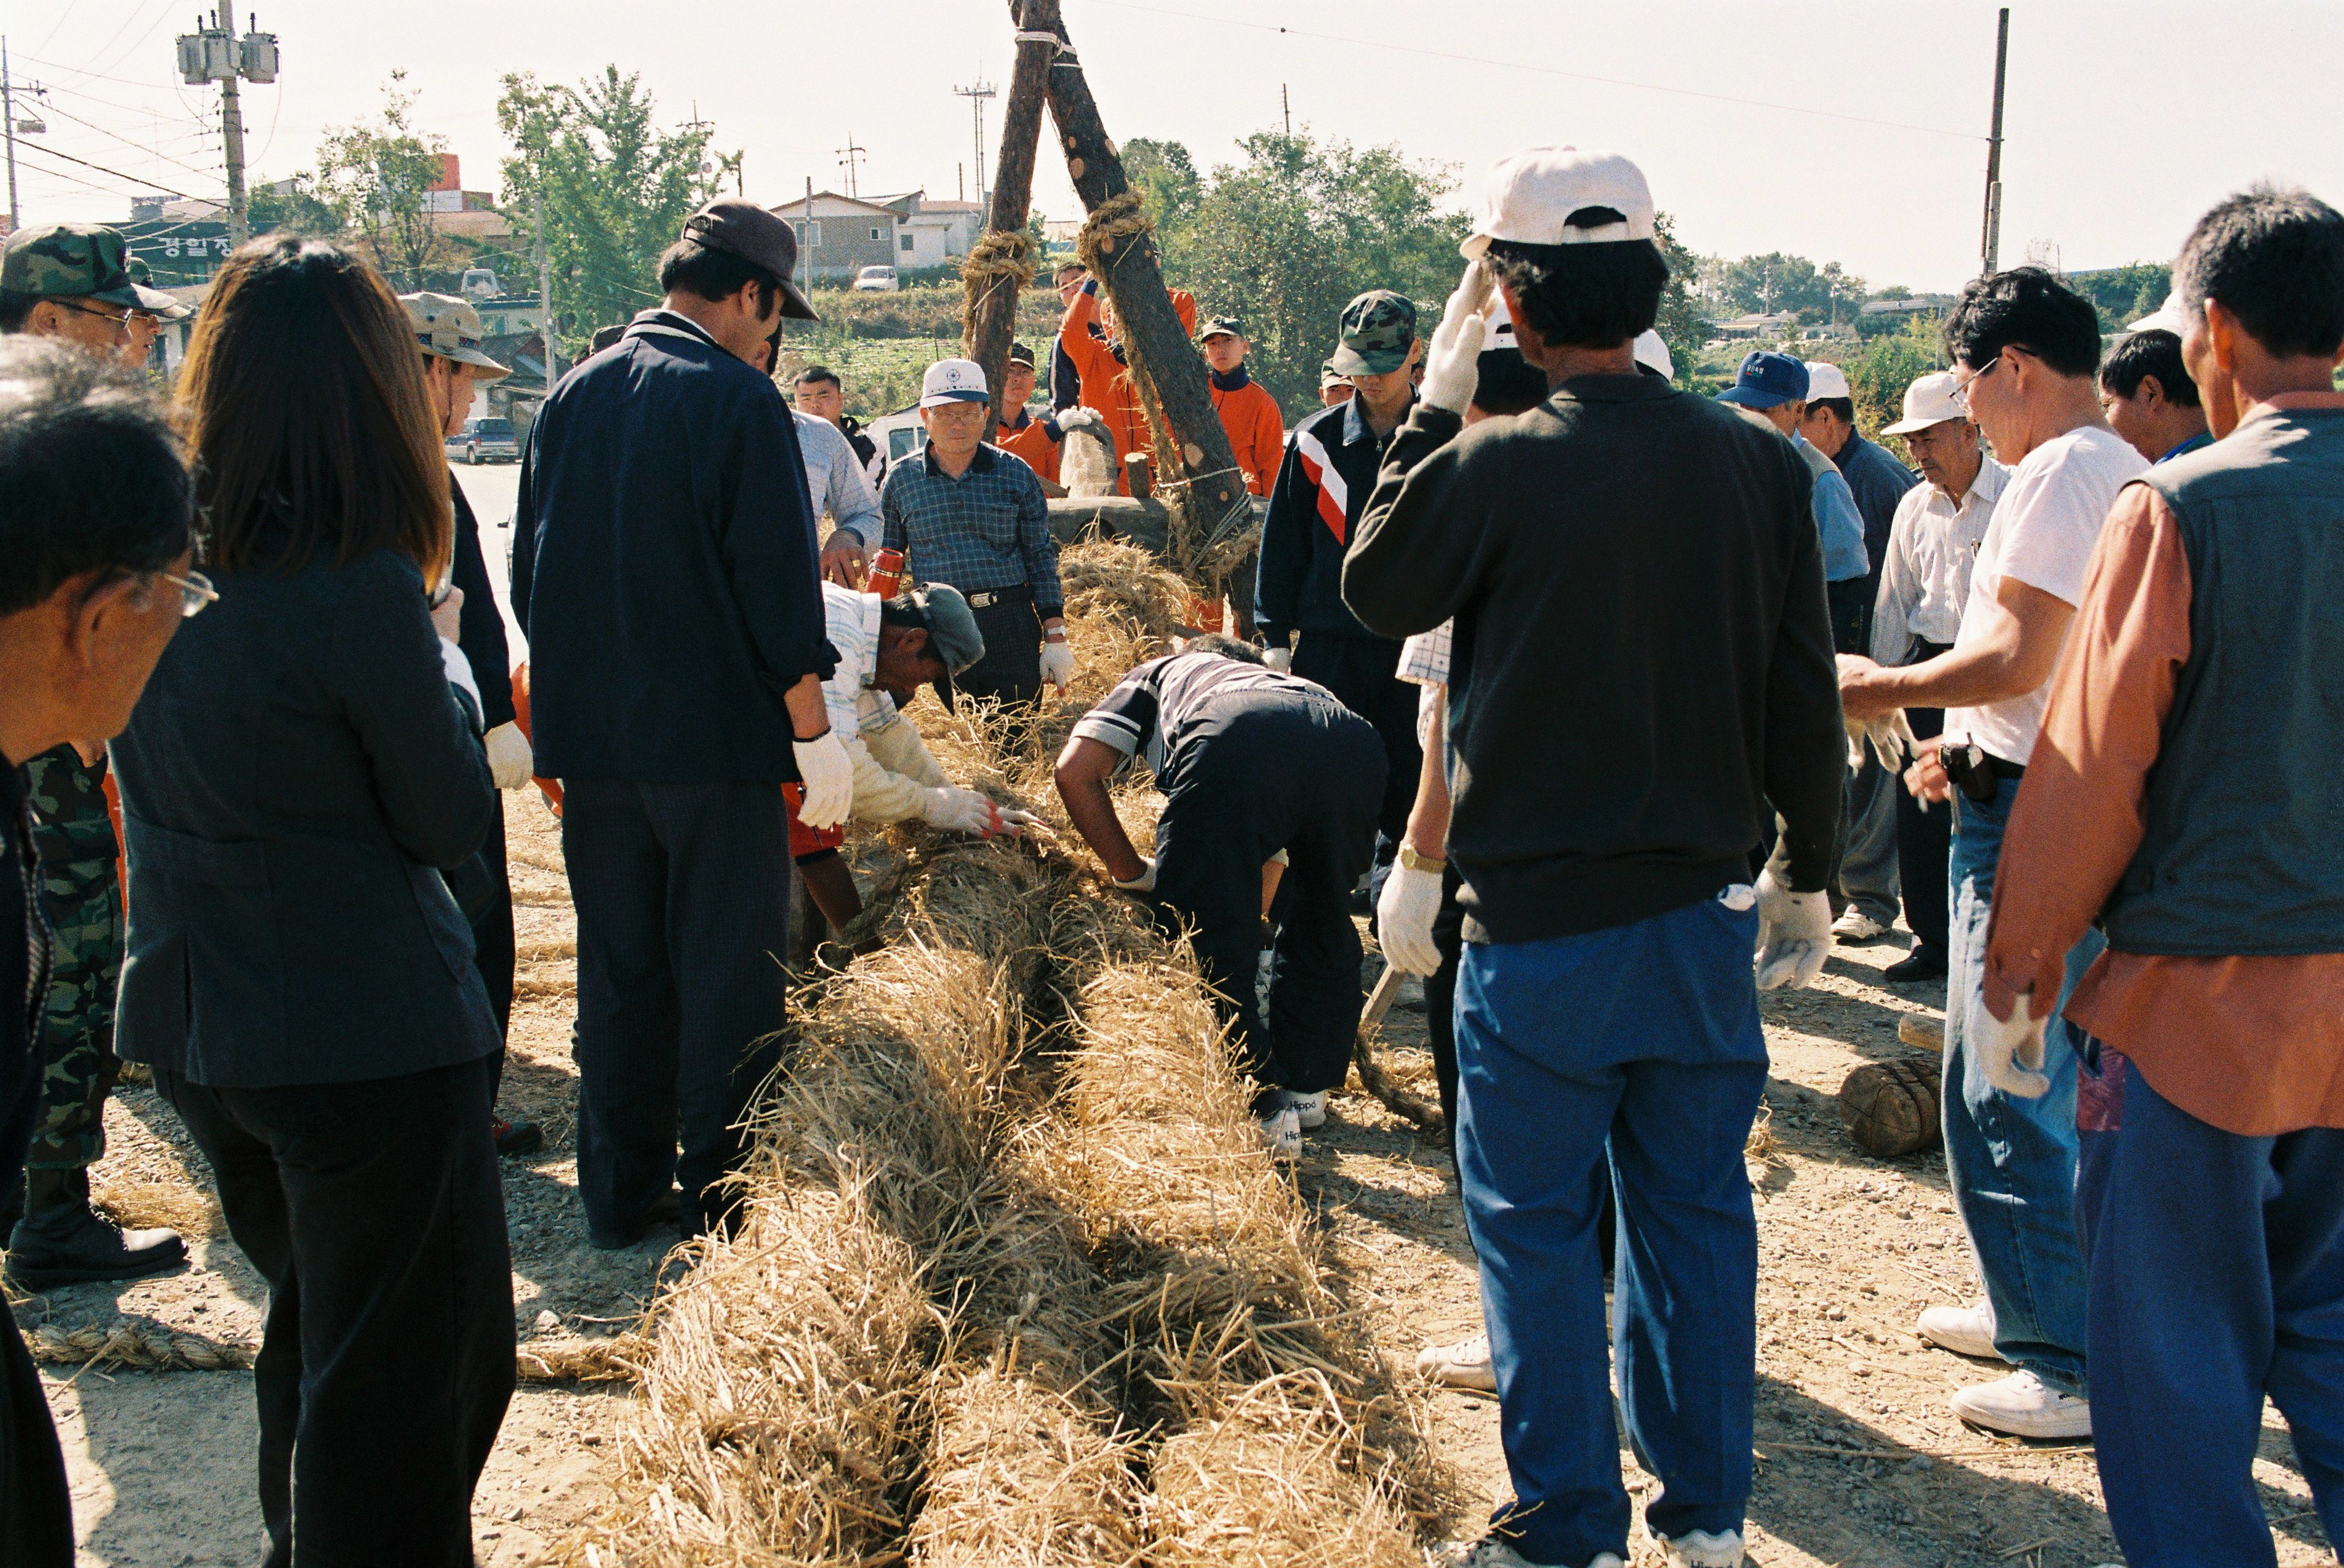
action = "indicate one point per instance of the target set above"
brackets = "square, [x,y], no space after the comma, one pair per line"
[301,783]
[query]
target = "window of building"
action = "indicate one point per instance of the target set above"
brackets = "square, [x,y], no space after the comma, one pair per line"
[907,242]
[809,233]
[878,234]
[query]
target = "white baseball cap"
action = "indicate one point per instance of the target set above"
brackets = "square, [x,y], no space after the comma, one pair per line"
[1654,355]
[1530,194]
[1931,399]
[1825,379]
[953,381]
[2166,318]
[1500,333]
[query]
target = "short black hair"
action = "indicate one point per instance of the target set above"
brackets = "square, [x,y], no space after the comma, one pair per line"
[688,266]
[2155,352]
[91,479]
[1506,383]
[1595,296]
[818,373]
[2275,258]
[2025,307]
[1227,646]
[13,308]
[1844,407]
[604,337]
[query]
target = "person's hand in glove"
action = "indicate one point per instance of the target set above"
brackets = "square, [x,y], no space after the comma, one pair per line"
[1793,934]
[1452,365]
[1278,659]
[1404,916]
[950,810]
[1058,664]
[1077,419]
[828,773]
[1143,883]
[2010,1050]
[1891,736]
[509,762]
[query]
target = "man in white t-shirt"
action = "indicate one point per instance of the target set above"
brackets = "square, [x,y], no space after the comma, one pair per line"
[2027,352]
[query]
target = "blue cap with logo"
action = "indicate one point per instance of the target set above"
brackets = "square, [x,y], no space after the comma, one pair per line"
[1766,380]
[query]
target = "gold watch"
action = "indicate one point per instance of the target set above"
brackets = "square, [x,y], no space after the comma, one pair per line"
[1415,862]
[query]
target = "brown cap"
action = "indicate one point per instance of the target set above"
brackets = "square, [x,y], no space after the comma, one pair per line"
[755,235]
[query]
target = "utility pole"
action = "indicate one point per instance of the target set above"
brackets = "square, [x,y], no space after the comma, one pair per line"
[1990,239]
[12,127]
[218,54]
[846,156]
[976,96]
[545,291]
[806,238]
[1285,107]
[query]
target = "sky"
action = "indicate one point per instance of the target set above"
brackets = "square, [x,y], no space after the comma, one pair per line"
[1862,139]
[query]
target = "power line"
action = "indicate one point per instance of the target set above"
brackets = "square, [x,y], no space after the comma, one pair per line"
[126,141]
[133,178]
[1537,69]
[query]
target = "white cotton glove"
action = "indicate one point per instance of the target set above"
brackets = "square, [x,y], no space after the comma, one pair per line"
[1143,883]
[1452,365]
[1076,418]
[509,762]
[1891,736]
[828,773]
[950,810]
[1404,916]
[2011,1054]
[1058,665]
[1278,659]
[1793,934]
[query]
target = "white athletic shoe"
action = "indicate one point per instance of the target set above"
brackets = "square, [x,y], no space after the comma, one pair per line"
[1281,1135]
[2022,1405]
[1491,1553]
[1856,925]
[1310,1109]
[1703,1549]
[1965,1330]
[1463,1365]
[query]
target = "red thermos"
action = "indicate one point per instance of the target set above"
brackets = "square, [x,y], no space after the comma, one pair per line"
[886,576]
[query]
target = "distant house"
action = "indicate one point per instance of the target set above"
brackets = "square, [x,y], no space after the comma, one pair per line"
[1781,324]
[839,236]
[930,233]
[1907,305]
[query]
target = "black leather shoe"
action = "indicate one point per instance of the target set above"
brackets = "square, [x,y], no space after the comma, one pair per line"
[664,1210]
[62,1240]
[516,1136]
[1920,963]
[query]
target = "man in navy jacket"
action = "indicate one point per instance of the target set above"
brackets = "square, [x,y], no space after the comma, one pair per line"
[664,568]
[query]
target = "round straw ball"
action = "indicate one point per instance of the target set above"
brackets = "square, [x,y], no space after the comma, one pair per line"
[1891,1108]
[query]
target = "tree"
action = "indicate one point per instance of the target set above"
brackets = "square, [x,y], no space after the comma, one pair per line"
[376,177]
[293,206]
[1877,376]
[1166,177]
[1775,282]
[1680,323]
[617,190]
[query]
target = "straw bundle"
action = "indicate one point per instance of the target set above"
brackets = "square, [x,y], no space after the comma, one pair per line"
[1021,1475]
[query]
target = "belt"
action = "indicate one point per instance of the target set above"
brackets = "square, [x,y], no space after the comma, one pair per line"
[993,596]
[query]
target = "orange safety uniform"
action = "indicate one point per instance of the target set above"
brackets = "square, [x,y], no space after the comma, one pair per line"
[1107,383]
[1032,441]
[1257,431]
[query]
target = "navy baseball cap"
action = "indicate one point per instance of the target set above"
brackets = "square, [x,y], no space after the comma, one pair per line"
[1766,380]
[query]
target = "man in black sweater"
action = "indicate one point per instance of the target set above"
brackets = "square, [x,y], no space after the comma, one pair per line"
[1642,677]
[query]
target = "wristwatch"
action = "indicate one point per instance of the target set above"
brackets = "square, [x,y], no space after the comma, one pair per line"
[1415,862]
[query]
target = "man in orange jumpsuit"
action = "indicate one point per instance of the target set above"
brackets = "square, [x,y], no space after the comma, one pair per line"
[1087,336]
[1248,413]
[1019,432]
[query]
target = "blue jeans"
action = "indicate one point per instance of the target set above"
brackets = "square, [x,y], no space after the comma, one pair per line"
[1868,870]
[2218,1277]
[1646,1035]
[2011,1161]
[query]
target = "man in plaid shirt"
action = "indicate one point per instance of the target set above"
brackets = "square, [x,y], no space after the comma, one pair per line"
[968,514]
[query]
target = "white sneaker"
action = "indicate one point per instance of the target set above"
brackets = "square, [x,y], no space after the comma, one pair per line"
[1856,925]
[1491,1553]
[1965,1330]
[1703,1549]
[1463,1365]
[1281,1135]
[1310,1109]
[2022,1405]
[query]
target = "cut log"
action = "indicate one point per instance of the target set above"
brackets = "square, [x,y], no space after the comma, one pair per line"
[1890,1108]
[1146,523]
[992,308]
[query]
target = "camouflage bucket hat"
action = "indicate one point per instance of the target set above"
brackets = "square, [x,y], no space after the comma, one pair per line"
[450,328]
[75,262]
[1377,328]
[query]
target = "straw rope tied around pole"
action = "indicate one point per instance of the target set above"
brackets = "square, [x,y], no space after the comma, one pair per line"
[995,255]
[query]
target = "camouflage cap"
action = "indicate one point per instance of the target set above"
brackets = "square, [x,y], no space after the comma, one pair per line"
[1377,328]
[1330,377]
[1222,326]
[450,328]
[1019,354]
[75,262]
[142,277]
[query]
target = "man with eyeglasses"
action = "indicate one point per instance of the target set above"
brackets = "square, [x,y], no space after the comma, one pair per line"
[72,282]
[2027,349]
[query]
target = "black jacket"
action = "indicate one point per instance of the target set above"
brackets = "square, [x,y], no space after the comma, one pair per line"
[664,568]
[24,953]
[295,779]
[482,632]
[1642,659]
[1314,511]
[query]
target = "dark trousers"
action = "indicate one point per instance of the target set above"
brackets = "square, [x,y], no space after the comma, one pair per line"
[682,894]
[35,1509]
[492,941]
[1363,673]
[1925,843]
[373,1211]
[1254,776]
[2217,1278]
[1011,670]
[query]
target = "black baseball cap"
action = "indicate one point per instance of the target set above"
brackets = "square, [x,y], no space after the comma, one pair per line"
[755,235]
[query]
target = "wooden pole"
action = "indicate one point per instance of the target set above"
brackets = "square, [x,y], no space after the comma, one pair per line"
[992,293]
[1144,314]
[1990,240]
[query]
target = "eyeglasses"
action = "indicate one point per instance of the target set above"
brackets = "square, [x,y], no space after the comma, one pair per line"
[121,323]
[1963,390]
[196,590]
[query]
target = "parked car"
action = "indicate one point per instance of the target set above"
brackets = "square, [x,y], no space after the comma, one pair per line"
[485,440]
[899,435]
[876,280]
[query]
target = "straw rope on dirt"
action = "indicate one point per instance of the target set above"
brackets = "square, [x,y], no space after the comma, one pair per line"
[142,1345]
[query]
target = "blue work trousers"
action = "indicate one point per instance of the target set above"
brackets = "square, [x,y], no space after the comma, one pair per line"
[2218,1277]
[2011,1161]
[1646,1035]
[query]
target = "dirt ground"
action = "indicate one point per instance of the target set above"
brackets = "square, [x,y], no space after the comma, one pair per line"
[1861,1460]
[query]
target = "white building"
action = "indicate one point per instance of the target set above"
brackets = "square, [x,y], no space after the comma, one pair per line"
[930,233]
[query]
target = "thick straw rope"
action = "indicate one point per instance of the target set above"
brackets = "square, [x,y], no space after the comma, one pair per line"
[996,255]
